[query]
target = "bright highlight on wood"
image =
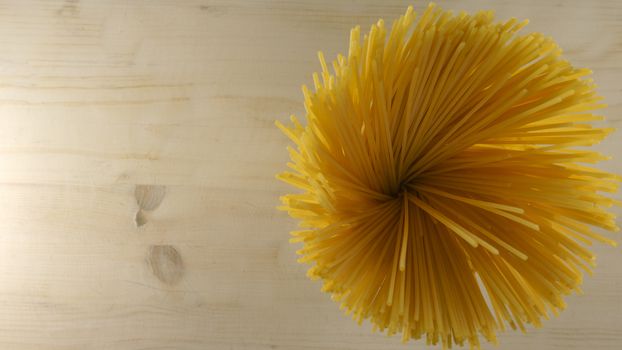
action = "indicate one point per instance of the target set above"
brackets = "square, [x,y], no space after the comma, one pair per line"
[442,192]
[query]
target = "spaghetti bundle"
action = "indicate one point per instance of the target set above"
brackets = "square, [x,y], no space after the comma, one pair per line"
[441,190]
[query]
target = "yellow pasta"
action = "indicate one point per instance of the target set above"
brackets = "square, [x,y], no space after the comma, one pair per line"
[441,190]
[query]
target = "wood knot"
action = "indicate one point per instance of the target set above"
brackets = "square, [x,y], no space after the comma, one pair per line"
[148,198]
[166,263]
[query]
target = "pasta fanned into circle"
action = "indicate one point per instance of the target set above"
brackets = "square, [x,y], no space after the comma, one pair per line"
[441,190]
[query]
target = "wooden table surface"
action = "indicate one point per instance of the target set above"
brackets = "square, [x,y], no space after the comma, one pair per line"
[137,162]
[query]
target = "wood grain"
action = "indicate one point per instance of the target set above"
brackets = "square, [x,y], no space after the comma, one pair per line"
[102,102]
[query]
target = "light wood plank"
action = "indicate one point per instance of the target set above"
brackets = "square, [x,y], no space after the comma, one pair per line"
[98,97]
